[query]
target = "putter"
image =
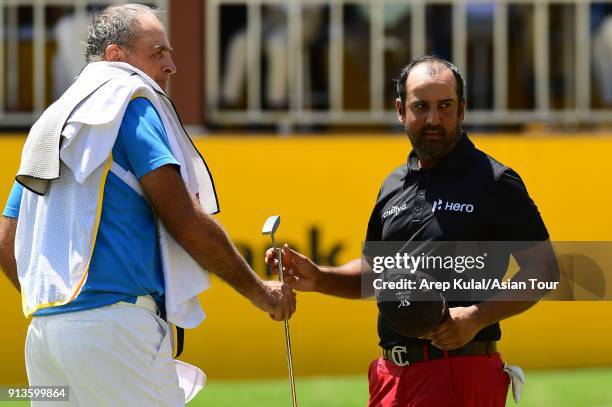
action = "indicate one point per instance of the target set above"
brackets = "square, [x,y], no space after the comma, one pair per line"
[269,228]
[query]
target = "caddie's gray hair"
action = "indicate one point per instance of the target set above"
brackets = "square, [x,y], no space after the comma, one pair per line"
[116,24]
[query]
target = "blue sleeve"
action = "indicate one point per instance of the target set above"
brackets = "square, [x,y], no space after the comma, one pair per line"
[142,143]
[11,210]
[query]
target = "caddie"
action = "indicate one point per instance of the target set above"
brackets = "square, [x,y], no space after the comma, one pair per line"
[113,231]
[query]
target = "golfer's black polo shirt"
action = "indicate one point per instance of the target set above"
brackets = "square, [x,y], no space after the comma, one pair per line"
[469,196]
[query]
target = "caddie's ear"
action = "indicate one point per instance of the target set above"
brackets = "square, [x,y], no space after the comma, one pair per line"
[114,53]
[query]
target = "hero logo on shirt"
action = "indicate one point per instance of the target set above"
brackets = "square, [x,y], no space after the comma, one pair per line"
[441,205]
[394,210]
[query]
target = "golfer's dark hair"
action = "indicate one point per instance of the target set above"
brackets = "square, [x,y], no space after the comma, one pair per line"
[116,24]
[400,82]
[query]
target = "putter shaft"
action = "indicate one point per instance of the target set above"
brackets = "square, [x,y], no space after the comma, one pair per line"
[269,228]
[279,255]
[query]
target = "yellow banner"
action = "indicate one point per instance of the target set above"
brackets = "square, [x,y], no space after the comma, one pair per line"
[324,189]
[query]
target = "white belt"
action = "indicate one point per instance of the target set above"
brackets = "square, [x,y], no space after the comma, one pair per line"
[145,301]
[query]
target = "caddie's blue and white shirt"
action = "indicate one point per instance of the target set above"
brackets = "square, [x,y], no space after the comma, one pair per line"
[126,261]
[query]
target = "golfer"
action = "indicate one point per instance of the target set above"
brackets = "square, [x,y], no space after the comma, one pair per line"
[448,190]
[114,229]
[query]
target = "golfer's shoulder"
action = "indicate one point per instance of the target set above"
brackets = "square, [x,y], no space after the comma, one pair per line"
[394,180]
[502,176]
[488,166]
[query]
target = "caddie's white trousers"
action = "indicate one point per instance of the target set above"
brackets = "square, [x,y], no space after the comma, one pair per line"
[118,355]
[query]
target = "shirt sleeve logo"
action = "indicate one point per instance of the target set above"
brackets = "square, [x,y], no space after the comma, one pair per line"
[448,206]
[394,210]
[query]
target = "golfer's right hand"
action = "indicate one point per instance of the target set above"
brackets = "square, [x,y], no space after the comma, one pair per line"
[301,273]
[279,302]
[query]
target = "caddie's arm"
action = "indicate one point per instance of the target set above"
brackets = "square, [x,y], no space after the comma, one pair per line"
[302,274]
[206,241]
[8,226]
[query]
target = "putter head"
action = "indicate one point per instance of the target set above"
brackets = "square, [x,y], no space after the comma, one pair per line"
[271,225]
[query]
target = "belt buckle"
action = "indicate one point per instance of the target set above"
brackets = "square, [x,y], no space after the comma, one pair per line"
[396,355]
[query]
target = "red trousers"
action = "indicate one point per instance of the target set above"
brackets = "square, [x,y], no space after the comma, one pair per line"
[456,381]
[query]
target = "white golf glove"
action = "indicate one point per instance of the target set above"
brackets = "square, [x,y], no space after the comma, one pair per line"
[517,378]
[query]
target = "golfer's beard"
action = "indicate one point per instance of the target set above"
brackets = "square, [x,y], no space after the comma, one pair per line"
[431,150]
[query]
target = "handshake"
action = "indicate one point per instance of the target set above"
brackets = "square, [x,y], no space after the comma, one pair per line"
[278,298]
[299,273]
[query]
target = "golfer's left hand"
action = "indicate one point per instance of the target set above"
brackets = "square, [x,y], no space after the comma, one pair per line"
[456,330]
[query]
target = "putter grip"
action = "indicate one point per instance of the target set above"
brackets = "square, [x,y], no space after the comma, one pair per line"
[279,256]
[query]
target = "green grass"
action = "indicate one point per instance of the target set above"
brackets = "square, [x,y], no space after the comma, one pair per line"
[571,388]
[558,388]
[320,392]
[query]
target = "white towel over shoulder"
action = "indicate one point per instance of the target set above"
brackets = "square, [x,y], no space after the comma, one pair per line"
[88,117]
